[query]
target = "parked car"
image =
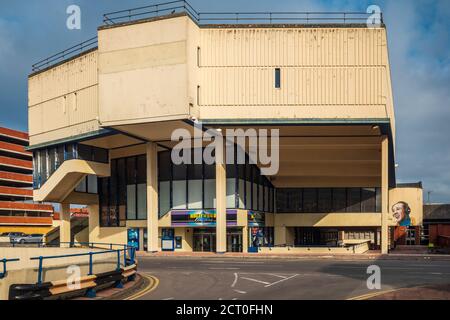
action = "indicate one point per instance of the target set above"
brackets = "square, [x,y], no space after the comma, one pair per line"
[12,234]
[28,238]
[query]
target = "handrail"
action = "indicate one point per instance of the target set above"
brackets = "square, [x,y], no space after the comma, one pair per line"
[4,261]
[65,54]
[182,6]
[171,7]
[90,254]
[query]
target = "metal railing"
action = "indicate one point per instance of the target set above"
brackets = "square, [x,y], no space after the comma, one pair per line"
[65,54]
[90,254]
[183,6]
[4,262]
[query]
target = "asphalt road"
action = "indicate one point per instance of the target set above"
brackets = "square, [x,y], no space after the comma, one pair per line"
[270,279]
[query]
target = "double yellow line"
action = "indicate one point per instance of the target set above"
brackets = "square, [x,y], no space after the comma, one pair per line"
[154,282]
[371,295]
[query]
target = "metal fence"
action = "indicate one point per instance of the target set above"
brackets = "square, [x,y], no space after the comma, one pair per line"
[202,18]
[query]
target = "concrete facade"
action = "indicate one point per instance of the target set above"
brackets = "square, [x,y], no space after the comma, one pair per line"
[327,89]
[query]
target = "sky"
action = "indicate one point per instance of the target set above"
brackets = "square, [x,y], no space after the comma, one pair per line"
[419,50]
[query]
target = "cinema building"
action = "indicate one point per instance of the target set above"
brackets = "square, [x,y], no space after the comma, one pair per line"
[101,125]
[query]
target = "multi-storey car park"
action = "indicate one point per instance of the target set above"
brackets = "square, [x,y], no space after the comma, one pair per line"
[18,212]
[101,117]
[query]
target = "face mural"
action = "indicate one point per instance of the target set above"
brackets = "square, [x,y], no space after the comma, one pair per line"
[401,213]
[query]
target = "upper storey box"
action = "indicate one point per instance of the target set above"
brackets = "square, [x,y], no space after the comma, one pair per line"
[173,67]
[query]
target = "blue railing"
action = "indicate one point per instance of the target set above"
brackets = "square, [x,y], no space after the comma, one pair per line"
[4,262]
[124,248]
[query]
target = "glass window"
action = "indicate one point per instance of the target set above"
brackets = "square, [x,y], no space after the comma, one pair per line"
[142,201]
[104,201]
[179,186]
[165,174]
[84,152]
[131,202]
[277,78]
[368,200]
[122,188]
[339,200]
[100,155]
[92,184]
[59,155]
[282,200]
[210,186]
[195,185]
[353,200]
[164,197]
[141,171]
[81,186]
[310,200]
[231,189]
[378,199]
[324,201]
[113,203]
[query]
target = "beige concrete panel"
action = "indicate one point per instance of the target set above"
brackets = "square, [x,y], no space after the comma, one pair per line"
[293,46]
[142,34]
[293,112]
[143,95]
[64,228]
[81,198]
[113,142]
[128,151]
[327,220]
[299,86]
[221,202]
[142,58]
[65,132]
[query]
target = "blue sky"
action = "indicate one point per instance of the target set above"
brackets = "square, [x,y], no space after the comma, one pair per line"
[419,48]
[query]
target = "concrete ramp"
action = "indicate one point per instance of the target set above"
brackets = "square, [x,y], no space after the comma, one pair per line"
[66,178]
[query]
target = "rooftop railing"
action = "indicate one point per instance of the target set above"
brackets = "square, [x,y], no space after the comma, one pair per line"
[65,54]
[183,6]
[203,18]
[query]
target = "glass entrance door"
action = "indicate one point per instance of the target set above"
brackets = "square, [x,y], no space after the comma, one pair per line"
[204,240]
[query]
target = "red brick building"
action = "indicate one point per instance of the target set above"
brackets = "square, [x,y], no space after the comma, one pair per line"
[18,212]
[436,221]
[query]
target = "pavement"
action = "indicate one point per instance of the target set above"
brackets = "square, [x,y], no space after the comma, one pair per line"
[255,277]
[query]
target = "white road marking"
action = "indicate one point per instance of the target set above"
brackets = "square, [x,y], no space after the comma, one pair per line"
[277,275]
[255,280]
[234,299]
[168,298]
[271,284]
[223,268]
[239,291]
[235,280]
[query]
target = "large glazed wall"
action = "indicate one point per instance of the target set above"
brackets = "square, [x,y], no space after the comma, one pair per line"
[63,101]
[143,72]
[325,73]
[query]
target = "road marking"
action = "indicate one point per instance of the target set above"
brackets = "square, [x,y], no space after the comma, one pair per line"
[235,280]
[234,299]
[223,268]
[277,275]
[172,298]
[239,291]
[271,284]
[371,295]
[255,280]
[152,286]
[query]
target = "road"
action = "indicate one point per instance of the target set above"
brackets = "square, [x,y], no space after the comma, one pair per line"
[219,278]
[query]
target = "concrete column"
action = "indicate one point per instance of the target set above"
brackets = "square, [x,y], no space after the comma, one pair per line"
[280,235]
[384,195]
[94,223]
[245,239]
[152,197]
[221,202]
[64,228]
